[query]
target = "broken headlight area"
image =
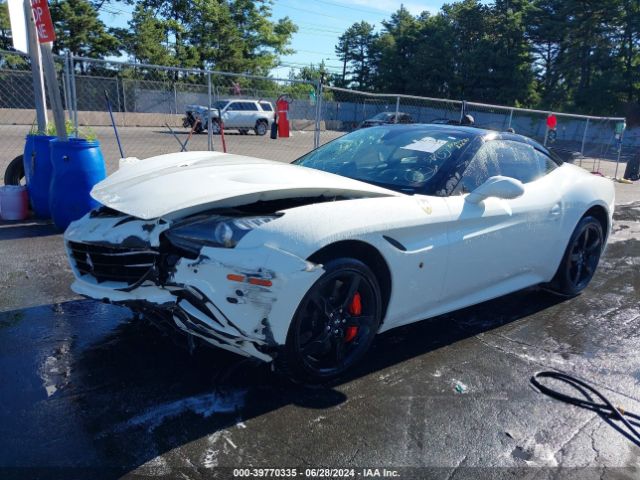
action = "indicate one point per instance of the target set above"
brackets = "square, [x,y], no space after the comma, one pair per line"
[219,231]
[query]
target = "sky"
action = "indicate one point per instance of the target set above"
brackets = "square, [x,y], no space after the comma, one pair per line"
[320,23]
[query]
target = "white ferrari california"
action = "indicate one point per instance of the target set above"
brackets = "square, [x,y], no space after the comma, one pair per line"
[303,264]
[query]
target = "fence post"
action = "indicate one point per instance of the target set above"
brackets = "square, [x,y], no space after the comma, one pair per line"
[124,103]
[395,119]
[209,132]
[584,139]
[74,92]
[316,135]
[118,94]
[175,98]
[67,87]
[615,175]
[510,117]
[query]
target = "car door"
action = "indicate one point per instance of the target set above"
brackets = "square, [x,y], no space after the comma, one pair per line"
[232,115]
[501,245]
[249,114]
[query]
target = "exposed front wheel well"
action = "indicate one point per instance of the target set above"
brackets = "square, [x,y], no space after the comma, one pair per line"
[367,254]
[600,214]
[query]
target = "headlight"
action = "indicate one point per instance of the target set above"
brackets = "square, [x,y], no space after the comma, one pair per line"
[217,231]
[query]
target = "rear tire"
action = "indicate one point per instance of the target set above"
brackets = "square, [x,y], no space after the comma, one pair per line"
[580,259]
[334,325]
[261,127]
[14,173]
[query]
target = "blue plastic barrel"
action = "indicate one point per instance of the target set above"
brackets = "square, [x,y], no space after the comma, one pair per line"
[37,169]
[77,166]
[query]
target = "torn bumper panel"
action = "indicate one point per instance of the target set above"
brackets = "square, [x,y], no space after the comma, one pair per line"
[242,300]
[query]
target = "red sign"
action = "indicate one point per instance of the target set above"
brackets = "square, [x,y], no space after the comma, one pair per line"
[44,25]
[552,122]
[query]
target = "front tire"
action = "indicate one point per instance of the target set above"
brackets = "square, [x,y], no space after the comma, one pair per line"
[580,259]
[261,127]
[334,324]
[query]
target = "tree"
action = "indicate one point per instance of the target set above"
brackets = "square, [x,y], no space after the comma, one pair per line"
[394,52]
[510,78]
[354,49]
[5,27]
[148,39]
[80,31]
[230,35]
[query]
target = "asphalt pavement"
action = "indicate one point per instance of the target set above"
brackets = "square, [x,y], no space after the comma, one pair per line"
[90,392]
[145,142]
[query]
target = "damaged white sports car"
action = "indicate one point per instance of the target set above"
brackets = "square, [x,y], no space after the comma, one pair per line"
[303,264]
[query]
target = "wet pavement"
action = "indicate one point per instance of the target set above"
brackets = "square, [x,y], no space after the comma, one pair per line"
[89,392]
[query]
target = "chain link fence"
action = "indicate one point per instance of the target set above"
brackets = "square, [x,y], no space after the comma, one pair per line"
[160,109]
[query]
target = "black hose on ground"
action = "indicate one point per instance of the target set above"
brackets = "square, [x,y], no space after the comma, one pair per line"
[14,173]
[607,410]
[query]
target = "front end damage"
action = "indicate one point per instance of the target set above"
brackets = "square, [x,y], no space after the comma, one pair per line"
[239,299]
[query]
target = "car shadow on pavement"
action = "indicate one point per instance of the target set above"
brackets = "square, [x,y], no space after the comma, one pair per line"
[140,395]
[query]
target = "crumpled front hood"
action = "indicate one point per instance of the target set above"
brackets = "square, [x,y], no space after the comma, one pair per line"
[191,181]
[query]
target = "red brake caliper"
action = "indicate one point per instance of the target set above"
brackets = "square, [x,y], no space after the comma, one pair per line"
[355,309]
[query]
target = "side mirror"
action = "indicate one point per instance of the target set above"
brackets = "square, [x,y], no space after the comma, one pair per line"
[499,187]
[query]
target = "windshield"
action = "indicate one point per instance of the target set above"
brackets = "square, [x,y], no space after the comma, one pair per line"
[220,104]
[382,116]
[395,157]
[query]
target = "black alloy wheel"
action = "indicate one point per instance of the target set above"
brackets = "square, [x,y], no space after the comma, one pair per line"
[581,257]
[334,324]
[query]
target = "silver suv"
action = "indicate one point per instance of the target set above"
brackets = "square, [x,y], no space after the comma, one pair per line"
[241,115]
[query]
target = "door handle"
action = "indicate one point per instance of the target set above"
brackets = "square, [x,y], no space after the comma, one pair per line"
[556,210]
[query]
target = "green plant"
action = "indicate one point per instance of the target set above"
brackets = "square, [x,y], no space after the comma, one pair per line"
[86,132]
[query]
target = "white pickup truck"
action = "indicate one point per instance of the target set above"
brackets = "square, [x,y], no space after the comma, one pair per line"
[242,115]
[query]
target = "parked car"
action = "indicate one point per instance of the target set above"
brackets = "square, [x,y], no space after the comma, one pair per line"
[241,115]
[303,264]
[383,118]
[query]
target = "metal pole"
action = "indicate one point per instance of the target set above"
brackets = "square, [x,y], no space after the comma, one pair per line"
[584,139]
[209,130]
[175,98]
[124,103]
[316,126]
[395,120]
[54,90]
[74,93]
[36,69]
[316,137]
[510,117]
[615,175]
[118,95]
[65,85]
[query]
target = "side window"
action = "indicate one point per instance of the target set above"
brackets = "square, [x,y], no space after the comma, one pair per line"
[545,163]
[483,165]
[234,107]
[266,107]
[518,160]
[249,106]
